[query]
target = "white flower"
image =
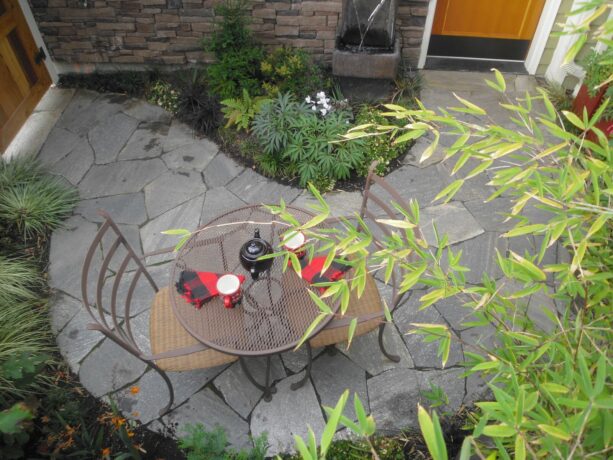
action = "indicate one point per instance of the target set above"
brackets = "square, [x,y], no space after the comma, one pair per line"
[326,106]
[321,95]
[327,100]
[307,99]
[314,108]
[323,112]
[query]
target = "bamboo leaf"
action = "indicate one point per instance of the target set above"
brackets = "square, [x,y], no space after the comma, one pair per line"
[328,434]
[310,329]
[429,433]
[351,332]
[450,190]
[555,431]
[471,108]
[320,303]
[397,223]
[499,431]
[176,231]
[574,119]
[302,448]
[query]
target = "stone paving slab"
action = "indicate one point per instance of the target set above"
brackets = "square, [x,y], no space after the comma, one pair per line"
[125,209]
[207,408]
[289,413]
[238,392]
[155,174]
[109,367]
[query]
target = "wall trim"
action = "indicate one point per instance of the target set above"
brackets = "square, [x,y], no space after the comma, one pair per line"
[541,35]
[425,42]
[38,39]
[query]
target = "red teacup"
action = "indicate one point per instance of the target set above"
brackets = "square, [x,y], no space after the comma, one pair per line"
[229,287]
[295,243]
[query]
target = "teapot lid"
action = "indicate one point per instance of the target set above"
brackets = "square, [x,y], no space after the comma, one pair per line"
[255,247]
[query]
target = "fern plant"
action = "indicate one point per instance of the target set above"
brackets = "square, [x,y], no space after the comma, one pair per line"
[240,112]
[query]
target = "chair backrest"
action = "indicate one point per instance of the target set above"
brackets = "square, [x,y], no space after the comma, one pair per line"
[377,204]
[111,312]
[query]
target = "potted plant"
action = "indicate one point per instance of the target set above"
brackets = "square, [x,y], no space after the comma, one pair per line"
[595,89]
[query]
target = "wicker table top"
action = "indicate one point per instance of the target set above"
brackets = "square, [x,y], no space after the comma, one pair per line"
[275,310]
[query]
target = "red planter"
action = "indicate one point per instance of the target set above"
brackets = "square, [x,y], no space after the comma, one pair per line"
[584,100]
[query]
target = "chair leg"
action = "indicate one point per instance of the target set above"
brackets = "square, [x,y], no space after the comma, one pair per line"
[394,358]
[171,392]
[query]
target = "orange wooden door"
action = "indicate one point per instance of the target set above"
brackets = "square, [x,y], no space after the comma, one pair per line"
[507,19]
[23,77]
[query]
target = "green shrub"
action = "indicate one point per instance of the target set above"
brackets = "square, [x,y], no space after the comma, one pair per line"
[313,151]
[163,93]
[291,70]
[25,340]
[200,444]
[196,106]
[19,170]
[380,148]
[36,207]
[297,141]
[237,55]
[598,70]
[272,124]
[408,85]
[240,112]
[19,281]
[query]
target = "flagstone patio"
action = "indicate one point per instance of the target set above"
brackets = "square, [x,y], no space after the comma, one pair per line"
[151,173]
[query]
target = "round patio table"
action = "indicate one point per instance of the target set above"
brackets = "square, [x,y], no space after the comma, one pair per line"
[275,310]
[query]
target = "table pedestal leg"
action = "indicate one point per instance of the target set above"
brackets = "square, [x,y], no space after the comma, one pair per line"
[266,388]
[307,372]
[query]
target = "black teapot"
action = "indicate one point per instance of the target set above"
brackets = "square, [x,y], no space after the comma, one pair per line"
[251,251]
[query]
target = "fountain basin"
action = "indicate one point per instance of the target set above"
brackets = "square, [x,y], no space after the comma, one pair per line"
[371,63]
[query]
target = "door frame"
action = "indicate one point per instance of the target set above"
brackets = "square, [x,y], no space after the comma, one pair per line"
[537,47]
[38,39]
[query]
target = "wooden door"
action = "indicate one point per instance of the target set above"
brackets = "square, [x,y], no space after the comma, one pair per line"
[23,75]
[493,29]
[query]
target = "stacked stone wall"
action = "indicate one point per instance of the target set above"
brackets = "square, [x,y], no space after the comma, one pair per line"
[170,32]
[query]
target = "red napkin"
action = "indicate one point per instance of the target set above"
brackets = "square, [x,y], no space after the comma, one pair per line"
[311,271]
[199,287]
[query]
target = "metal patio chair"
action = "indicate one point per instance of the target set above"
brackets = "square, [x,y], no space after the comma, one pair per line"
[369,308]
[172,347]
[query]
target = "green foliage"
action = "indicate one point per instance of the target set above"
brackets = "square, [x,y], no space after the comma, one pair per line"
[408,86]
[559,97]
[18,171]
[195,105]
[163,93]
[272,124]
[19,281]
[315,155]
[200,444]
[13,430]
[235,71]
[291,70]
[598,73]
[377,148]
[37,207]
[300,142]
[240,112]
[237,55]
[25,339]
[548,367]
